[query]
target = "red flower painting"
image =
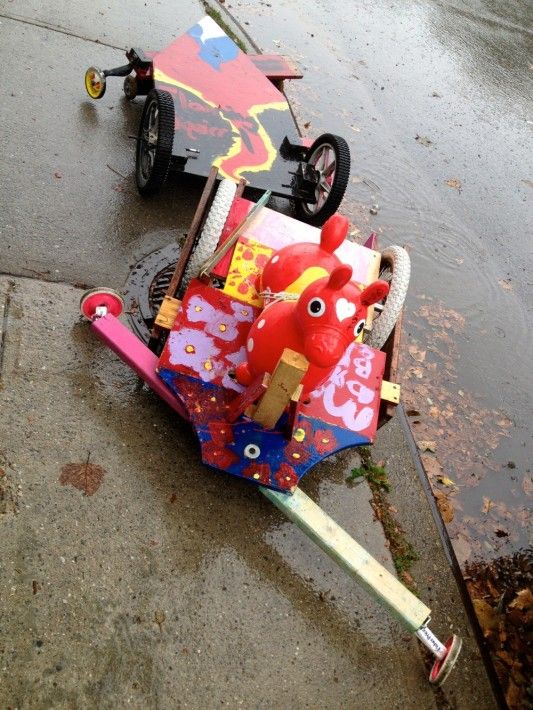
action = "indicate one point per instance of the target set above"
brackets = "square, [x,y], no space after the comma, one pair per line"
[260,472]
[286,477]
[218,456]
[324,441]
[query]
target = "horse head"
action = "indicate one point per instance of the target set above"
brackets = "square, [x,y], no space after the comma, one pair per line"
[295,266]
[331,313]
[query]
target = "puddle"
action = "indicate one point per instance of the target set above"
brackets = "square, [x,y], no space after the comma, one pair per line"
[435,101]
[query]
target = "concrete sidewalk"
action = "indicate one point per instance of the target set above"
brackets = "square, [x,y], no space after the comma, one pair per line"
[170,586]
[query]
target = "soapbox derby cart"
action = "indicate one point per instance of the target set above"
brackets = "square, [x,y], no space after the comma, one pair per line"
[208,103]
[270,423]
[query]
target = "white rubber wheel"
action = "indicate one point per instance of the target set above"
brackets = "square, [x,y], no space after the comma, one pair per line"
[396,269]
[213,226]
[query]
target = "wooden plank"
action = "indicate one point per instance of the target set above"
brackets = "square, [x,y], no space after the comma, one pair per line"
[155,342]
[240,188]
[392,351]
[250,395]
[288,374]
[350,556]
[196,224]
[390,392]
[293,411]
[276,66]
[168,310]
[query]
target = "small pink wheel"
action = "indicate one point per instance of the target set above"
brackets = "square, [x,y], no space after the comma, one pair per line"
[442,667]
[98,298]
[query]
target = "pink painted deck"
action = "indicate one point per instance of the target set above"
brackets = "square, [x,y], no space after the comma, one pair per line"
[275,230]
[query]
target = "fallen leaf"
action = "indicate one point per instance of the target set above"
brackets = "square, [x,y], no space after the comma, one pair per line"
[431,465]
[487,504]
[159,617]
[307,124]
[523,600]
[444,505]
[423,140]
[503,283]
[427,445]
[486,615]
[87,477]
[454,182]
[416,353]
[501,533]
[57,174]
[513,695]
[446,481]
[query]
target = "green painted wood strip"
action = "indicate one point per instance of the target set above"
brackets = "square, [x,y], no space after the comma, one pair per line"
[349,555]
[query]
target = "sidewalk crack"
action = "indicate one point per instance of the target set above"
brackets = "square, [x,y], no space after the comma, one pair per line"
[57,28]
[5,320]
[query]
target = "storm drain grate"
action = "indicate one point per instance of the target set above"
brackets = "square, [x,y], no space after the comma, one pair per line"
[146,286]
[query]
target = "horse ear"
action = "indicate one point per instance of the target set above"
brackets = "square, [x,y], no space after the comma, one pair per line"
[374,293]
[334,233]
[340,276]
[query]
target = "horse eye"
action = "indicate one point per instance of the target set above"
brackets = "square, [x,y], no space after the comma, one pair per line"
[359,327]
[252,451]
[316,307]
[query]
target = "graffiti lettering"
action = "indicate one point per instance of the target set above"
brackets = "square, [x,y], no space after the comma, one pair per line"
[193,130]
[345,397]
[188,105]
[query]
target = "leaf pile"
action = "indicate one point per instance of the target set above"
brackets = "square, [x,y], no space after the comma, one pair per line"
[503,599]
[457,438]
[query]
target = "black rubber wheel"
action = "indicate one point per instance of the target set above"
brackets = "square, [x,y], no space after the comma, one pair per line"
[330,157]
[130,87]
[154,143]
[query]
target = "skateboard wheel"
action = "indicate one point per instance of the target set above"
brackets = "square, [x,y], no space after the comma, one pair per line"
[101,297]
